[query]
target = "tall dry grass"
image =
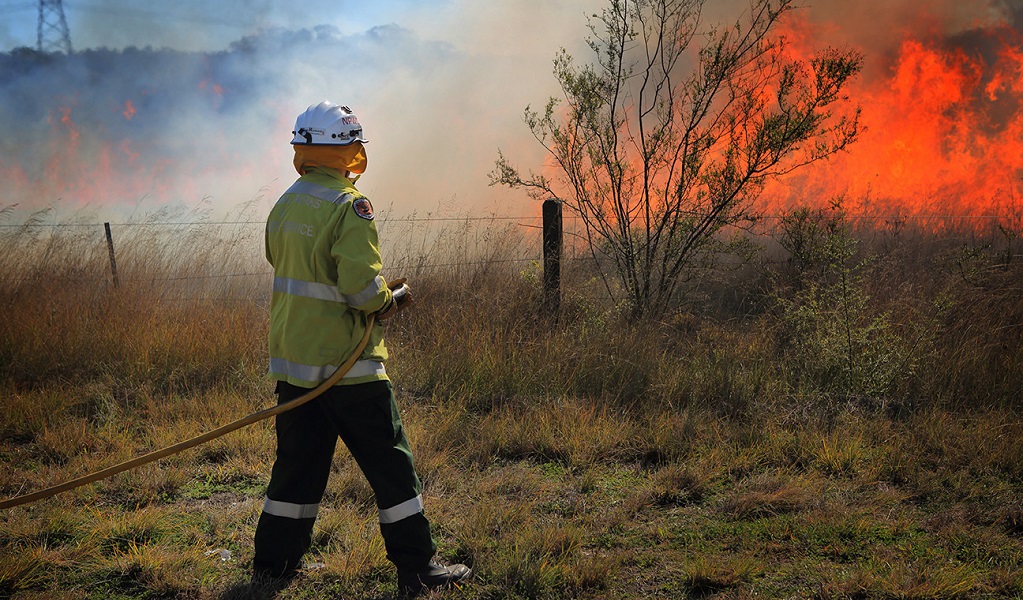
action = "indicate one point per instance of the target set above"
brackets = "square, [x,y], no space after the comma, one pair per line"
[748,445]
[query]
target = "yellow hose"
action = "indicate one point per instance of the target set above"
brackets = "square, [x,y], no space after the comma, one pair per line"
[201,439]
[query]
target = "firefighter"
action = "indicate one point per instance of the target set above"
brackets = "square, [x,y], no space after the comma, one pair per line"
[321,239]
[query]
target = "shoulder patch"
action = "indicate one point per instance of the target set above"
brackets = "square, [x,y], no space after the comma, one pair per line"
[363,208]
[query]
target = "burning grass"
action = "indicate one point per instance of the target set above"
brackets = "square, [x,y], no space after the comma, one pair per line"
[705,456]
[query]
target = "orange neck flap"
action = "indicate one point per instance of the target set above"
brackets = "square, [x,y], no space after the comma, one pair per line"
[350,158]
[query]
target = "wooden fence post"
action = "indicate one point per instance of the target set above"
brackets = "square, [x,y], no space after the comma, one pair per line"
[110,247]
[552,256]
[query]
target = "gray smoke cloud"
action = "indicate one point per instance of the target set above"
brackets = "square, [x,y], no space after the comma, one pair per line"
[140,127]
[143,126]
[111,126]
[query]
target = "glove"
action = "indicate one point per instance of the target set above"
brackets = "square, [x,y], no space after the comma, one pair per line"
[401,298]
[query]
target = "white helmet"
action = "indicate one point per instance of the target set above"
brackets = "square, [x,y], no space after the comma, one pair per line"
[327,123]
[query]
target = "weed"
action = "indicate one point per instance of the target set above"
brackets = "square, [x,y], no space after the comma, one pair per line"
[21,571]
[857,438]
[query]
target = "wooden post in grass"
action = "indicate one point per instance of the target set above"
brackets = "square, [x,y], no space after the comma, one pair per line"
[110,248]
[552,256]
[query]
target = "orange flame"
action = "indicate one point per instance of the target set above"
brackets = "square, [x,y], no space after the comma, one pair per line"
[943,135]
[215,87]
[69,125]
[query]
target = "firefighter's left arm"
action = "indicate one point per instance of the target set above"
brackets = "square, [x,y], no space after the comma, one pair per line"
[356,251]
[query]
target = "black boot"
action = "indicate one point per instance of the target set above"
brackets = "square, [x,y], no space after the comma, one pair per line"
[412,582]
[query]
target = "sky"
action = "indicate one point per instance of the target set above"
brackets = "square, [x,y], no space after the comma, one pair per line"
[195,25]
[193,102]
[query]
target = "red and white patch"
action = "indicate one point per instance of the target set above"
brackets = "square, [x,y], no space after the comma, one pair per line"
[363,208]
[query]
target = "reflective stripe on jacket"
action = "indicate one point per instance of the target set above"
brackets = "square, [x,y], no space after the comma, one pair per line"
[326,261]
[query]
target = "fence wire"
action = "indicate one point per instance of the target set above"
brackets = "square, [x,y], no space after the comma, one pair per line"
[572,253]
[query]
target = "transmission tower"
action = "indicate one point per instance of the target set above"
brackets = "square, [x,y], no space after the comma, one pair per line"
[52,34]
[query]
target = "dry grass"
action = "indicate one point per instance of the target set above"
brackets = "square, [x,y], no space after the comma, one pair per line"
[585,458]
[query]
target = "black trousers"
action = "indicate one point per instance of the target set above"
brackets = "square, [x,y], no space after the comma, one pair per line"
[366,418]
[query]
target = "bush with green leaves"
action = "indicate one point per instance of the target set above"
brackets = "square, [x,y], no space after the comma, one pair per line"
[836,340]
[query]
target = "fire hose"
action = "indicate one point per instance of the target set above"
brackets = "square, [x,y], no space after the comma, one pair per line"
[200,439]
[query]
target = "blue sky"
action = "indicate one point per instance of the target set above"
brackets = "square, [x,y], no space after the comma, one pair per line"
[193,24]
[211,26]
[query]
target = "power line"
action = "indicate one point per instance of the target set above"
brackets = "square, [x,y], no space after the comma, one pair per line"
[52,32]
[384,221]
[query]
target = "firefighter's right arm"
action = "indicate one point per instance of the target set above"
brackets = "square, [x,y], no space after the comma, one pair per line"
[401,298]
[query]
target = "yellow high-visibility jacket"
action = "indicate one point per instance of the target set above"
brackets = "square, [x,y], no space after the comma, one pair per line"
[322,242]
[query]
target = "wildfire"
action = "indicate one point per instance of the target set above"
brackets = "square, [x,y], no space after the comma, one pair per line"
[126,150]
[84,157]
[68,124]
[79,167]
[943,127]
[943,133]
[212,86]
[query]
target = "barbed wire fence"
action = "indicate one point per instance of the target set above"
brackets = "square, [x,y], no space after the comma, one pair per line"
[185,257]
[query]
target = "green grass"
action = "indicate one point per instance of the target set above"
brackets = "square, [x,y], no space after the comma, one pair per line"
[703,456]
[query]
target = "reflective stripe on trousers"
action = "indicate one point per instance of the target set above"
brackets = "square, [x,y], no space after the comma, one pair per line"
[290,510]
[402,511]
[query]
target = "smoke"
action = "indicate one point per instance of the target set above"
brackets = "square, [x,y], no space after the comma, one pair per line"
[141,127]
[114,127]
